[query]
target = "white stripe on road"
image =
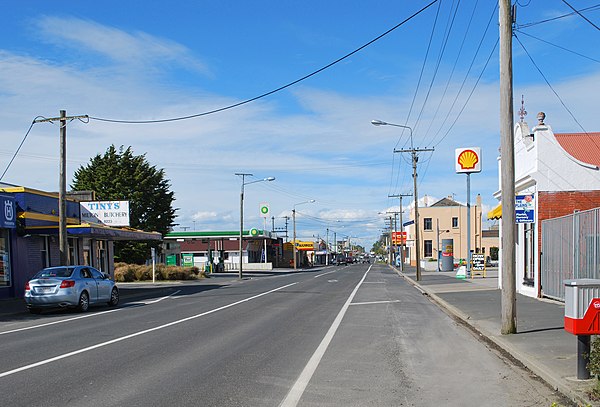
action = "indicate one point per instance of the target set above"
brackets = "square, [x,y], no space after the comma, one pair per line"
[295,393]
[329,272]
[160,299]
[374,302]
[86,316]
[133,335]
[61,321]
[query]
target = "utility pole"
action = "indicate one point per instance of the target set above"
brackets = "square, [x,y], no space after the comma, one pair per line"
[507,157]
[63,246]
[401,230]
[414,152]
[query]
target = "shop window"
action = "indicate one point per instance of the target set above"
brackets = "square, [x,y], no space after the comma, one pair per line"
[528,255]
[73,252]
[427,224]
[428,246]
[45,252]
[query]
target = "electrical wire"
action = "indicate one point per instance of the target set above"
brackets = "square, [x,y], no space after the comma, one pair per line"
[221,109]
[412,103]
[552,89]
[557,46]
[581,15]
[18,148]
[527,25]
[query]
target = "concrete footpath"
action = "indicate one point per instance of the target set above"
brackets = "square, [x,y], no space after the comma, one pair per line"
[541,344]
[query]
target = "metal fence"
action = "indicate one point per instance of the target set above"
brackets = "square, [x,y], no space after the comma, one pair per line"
[570,249]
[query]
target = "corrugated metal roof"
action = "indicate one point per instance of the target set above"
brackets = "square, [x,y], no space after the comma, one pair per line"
[583,146]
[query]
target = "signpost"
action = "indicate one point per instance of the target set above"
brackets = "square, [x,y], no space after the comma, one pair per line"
[468,160]
[478,260]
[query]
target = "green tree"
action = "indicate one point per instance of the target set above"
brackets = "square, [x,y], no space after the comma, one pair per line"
[122,176]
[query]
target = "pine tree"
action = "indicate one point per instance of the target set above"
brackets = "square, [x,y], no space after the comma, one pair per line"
[122,176]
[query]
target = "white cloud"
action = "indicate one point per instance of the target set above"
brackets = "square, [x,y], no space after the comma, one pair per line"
[135,48]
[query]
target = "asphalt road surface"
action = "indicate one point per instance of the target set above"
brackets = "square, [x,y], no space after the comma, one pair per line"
[355,335]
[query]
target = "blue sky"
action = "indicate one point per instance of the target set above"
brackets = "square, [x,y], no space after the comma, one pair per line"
[146,60]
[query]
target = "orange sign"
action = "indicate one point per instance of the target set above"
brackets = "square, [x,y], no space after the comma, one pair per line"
[398,237]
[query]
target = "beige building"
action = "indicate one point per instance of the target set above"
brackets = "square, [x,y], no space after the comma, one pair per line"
[447,219]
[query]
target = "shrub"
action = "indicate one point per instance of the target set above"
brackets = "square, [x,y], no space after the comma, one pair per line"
[132,272]
[594,367]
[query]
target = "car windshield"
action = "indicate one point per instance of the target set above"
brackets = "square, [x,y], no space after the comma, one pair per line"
[55,272]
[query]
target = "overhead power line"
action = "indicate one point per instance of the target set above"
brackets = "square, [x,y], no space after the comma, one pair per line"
[581,15]
[221,109]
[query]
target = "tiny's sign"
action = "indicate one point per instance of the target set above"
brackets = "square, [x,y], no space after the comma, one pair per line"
[109,213]
[468,160]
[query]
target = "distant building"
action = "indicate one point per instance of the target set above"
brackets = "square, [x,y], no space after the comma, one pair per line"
[222,250]
[446,220]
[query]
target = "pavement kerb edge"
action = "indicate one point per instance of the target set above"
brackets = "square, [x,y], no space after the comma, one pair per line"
[555,382]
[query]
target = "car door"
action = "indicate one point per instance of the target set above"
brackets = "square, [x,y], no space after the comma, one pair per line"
[90,283]
[104,285]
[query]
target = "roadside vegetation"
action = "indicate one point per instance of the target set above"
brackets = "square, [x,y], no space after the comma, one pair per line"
[126,273]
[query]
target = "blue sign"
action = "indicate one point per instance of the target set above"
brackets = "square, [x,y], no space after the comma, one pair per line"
[8,212]
[410,222]
[524,209]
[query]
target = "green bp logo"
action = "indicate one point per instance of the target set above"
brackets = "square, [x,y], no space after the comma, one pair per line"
[253,232]
[264,210]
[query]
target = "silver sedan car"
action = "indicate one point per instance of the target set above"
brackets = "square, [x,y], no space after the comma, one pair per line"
[69,286]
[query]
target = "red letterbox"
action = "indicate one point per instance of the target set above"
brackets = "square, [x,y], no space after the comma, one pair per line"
[582,306]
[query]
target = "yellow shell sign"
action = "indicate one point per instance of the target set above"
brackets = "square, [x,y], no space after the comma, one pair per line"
[468,159]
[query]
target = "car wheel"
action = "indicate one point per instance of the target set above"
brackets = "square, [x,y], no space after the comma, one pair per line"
[114,297]
[35,310]
[84,302]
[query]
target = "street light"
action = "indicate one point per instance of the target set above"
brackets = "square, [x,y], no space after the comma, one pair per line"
[294,221]
[244,175]
[416,196]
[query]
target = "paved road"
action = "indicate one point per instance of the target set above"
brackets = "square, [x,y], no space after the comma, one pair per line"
[352,336]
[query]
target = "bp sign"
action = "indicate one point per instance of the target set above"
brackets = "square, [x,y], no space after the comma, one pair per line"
[253,232]
[264,210]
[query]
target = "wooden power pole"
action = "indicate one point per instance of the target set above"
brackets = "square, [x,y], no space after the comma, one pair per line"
[507,157]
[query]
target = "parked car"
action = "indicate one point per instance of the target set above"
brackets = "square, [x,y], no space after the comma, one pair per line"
[69,286]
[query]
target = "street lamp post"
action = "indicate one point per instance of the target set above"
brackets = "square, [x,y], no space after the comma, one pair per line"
[294,222]
[244,175]
[413,151]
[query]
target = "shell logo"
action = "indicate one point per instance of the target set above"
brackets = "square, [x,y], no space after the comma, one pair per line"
[468,159]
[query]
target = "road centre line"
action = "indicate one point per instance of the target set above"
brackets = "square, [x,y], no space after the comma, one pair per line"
[293,397]
[374,302]
[133,335]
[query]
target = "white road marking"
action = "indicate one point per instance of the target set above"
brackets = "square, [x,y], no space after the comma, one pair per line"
[160,299]
[133,335]
[295,393]
[61,321]
[332,271]
[374,302]
[86,316]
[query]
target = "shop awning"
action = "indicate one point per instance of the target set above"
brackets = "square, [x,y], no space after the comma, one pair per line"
[495,213]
